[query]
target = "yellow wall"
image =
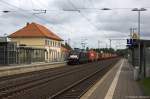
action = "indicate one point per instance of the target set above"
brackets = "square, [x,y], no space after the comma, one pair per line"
[33,42]
[53,50]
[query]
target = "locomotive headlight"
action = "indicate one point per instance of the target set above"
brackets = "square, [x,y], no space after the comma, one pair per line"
[74,56]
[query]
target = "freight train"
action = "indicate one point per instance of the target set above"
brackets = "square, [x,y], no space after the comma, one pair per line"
[78,56]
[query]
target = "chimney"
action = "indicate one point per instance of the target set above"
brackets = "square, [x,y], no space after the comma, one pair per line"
[27,23]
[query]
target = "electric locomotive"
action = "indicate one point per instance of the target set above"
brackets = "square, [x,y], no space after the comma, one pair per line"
[77,56]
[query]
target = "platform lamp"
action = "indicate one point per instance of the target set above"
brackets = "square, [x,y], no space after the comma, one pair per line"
[139,27]
[105,9]
[139,17]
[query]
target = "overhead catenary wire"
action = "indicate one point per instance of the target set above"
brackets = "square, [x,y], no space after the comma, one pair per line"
[79,10]
[82,15]
[28,11]
[47,21]
[106,35]
[18,10]
[85,17]
[44,11]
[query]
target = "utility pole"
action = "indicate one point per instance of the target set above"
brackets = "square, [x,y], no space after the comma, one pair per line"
[106,45]
[69,40]
[98,44]
[132,30]
[110,43]
[116,39]
[83,43]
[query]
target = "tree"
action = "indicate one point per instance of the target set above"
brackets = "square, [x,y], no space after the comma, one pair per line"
[87,48]
[122,52]
[68,46]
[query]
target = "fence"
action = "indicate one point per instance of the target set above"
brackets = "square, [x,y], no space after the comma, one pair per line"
[7,53]
[11,54]
[3,55]
[27,55]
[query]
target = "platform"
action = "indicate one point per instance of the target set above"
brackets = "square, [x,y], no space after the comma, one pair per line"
[11,70]
[118,83]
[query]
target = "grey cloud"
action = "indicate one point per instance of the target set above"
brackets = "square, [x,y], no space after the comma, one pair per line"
[92,24]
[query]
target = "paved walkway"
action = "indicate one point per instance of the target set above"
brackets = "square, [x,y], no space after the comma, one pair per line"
[28,65]
[118,83]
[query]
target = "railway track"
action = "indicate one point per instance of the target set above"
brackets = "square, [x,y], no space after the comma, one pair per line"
[76,90]
[11,86]
[50,84]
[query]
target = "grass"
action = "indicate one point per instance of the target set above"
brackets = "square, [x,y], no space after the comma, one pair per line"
[146,85]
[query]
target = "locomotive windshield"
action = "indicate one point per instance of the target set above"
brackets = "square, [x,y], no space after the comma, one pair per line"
[74,53]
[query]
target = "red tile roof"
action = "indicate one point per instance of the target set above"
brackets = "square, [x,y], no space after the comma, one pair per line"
[34,30]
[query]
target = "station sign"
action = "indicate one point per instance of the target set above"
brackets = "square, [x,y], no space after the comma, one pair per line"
[129,41]
[132,42]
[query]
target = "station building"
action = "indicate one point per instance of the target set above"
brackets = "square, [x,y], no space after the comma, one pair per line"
[37,36]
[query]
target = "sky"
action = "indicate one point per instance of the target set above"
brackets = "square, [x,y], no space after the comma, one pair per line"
[79,21]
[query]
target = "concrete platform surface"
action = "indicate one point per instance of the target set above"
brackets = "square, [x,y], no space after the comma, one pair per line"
[118,83]
[11,70]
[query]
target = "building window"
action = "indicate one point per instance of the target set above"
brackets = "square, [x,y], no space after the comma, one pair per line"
[49,42]
[59,44]
[52,43]
[46,42]
[56,44]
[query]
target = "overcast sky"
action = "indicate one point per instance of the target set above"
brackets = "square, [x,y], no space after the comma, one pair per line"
[89,25]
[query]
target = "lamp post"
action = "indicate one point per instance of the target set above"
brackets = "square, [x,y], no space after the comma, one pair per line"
[139,30]
[139,15]
[139,27]
[139,20]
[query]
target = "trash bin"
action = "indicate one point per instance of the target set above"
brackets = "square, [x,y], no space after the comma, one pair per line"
[136,73]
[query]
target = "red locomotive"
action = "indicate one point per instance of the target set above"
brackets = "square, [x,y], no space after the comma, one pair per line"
[92,56]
